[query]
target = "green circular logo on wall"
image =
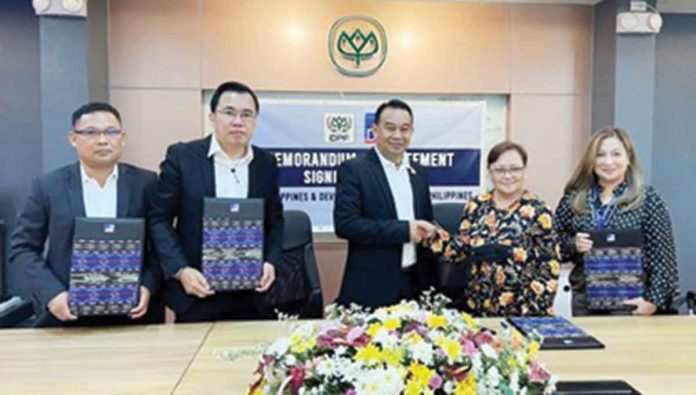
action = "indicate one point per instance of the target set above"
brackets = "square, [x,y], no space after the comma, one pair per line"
[357,45]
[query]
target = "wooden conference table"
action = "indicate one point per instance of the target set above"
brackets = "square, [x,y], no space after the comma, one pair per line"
[657,355]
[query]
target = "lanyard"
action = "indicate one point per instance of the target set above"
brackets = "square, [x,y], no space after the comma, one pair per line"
[601,213]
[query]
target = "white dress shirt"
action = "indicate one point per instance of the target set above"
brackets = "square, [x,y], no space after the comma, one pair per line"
[100,202]
[231,175]
[400,185]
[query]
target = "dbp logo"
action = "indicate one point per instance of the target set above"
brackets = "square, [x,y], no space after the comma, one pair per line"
[369,123]
[339,128]
[357,45]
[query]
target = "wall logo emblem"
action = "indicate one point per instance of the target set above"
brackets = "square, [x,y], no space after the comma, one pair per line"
[357,45]
[369,135]
[339,128]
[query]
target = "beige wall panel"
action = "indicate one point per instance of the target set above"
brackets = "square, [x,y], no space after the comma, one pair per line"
[281,45]
[154,43]
[154,119]
[554,130]
[551,49]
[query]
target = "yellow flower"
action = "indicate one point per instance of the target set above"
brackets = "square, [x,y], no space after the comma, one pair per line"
[372,329]
[413,387]
[370,355]
[392,356]
[555,267]
[421,373]
[471,206]
[452,348]
[533,349]
[469,320]
[545,221]
[391,324]
[465,225]
[484,197]
[436,321]
[413,338]
[466,386]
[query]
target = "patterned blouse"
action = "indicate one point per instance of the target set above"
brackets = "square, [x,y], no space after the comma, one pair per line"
[524,283]
[659,256]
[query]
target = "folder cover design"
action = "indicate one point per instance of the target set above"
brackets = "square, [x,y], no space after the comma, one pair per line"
[106,262]
[613,268]
[557,332]
[233,243]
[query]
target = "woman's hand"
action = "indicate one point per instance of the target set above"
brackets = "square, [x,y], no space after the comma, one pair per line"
[583,243]
[643,307]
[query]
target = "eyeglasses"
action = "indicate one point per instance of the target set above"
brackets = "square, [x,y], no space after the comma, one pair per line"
[245,115]
[94,133]
[513,171]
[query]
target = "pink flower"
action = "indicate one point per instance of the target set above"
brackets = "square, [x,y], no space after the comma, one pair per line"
[297,373]
[354,334]
[351,392]
[469,348]
[435,382]
[537,373]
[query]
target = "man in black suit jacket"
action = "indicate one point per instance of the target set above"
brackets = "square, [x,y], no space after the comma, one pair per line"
[382,207]
[224,165]
[96,186]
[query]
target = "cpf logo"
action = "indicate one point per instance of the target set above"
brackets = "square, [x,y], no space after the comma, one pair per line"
[339,128]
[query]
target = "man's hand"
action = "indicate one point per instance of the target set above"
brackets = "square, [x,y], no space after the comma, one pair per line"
[643,307]
[58,306]
[141,309]
[267,278]
[194,282]
[420,230]
[583,243]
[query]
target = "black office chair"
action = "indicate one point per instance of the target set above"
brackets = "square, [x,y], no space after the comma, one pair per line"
[452,278]
[298,289]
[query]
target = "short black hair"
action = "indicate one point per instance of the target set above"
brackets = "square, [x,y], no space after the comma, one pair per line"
[504,147]
[393,103]
[232,86]
[94,107]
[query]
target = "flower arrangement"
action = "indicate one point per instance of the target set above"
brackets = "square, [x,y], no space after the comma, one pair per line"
[408,348]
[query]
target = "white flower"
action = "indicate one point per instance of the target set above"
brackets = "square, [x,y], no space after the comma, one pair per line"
[423,352]
[290,360]
[279,347]
[384,338]
[379,382]
[488,351]
[449,387]
[493,377]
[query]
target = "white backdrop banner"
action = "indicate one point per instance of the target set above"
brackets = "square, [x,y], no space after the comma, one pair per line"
[311,138]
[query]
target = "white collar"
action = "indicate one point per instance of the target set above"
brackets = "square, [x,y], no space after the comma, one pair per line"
[87,179]
[217,151]
[387,163]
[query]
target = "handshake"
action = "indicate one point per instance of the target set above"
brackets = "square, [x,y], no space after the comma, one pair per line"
[421,230]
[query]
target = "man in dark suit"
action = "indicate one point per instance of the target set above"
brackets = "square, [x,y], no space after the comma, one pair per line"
[382,207]
[224,165]
[96,186]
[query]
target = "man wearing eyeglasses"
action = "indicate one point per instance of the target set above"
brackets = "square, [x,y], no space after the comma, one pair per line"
[96,186]
[223,165]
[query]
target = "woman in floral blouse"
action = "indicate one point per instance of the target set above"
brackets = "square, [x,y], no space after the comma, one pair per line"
[507,236]
[607,191]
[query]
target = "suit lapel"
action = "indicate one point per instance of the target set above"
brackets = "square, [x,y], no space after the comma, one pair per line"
[74,189]
[415,190]
[123,191]
[254,171]
[382,183]
[207,168]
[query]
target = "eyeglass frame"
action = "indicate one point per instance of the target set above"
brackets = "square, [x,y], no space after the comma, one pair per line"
[94,133]
[513,171]
[244,115]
